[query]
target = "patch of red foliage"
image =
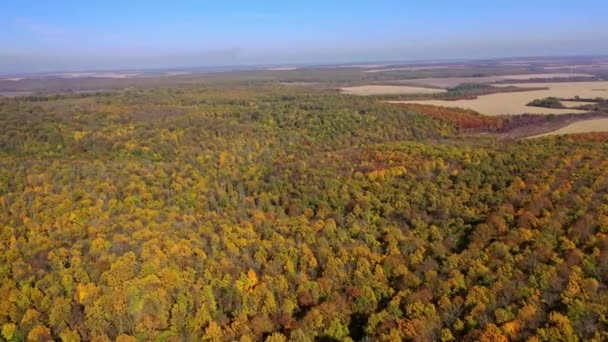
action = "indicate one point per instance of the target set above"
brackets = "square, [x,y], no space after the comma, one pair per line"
[464,119]
[591,136]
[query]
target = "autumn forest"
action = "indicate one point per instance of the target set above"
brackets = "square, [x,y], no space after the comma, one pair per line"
[255,211]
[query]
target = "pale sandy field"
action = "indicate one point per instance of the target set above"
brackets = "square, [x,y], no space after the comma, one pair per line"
[533,61]
[388,89]
[364,66]
[576,66]
[416,68]
[449,82]
[515,102]
[97,75]
[282,69]
[567,89]
[177,73]
[583,126]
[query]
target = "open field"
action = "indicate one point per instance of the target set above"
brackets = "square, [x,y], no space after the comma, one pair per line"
[303,84]
[567,89]
[178,73]
[561,67]
[98,74]
[516,102]
[363,66]
[416,68]
[531,60]
[584,126]
[516,63]
[449,82]
[387,89]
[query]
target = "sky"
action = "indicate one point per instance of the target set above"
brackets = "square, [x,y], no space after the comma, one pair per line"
[62,35]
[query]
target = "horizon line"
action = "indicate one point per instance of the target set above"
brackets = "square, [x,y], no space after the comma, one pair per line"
[253,66]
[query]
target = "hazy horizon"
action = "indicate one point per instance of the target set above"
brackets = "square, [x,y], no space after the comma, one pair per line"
[74,36]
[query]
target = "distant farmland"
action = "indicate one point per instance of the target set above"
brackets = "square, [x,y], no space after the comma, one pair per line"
[516,102]
[449,82]
[388,89]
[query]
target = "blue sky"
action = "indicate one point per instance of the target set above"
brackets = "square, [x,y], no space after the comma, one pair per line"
[78,35]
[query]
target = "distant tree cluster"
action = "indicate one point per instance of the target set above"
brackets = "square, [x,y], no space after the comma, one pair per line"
[549,102]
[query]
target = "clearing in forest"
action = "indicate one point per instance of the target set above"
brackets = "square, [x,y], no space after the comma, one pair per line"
[583,126]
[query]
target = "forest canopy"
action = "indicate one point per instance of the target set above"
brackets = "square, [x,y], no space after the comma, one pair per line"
[259,212]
